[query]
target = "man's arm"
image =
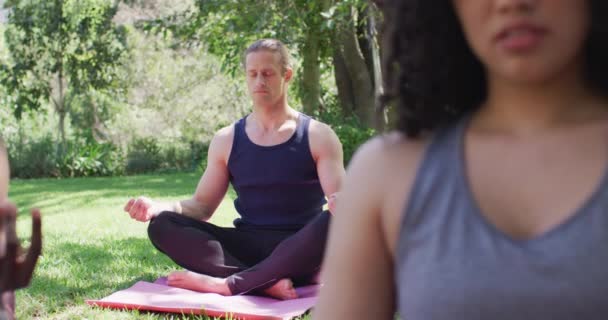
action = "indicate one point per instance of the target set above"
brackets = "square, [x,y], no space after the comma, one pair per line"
[327,153]
[212,187]
[209,193]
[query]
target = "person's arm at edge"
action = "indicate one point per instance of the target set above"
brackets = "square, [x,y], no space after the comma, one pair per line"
[357,273]
[4,171]
[17,265]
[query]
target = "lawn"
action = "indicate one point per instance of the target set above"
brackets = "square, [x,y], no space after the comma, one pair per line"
[91,247]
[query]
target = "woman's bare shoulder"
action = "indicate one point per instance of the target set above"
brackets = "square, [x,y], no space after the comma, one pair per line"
[391,153]
[390,163]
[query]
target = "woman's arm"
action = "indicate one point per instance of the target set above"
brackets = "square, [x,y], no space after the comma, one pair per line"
[357,271]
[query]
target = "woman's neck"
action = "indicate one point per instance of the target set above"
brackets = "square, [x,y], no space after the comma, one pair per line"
[523,108]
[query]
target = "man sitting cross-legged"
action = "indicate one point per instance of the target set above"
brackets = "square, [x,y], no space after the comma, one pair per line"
[281,164]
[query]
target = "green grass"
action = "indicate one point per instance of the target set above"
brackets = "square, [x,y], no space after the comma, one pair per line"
[91,247]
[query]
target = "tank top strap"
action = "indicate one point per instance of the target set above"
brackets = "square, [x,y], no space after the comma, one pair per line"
[301,134]
[239,134]
[441,161]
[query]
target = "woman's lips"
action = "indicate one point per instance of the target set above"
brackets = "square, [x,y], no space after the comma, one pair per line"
[520,37]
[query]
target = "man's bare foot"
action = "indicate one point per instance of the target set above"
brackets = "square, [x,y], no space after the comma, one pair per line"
[198,282]
[282,290]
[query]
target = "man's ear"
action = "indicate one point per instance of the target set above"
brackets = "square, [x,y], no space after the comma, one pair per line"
[288,74]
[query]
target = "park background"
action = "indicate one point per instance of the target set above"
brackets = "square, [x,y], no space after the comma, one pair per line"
[102,100]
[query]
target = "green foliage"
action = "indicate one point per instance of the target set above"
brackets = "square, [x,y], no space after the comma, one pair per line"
[82,159]
[143,156]
[149,155]
[33,159]
[199,155]
[226,28]
[91,113]
[95,45]
[175,94]
[172,90]
[351,132]
[35,152]
[60,46]
[44,157]
[315,30]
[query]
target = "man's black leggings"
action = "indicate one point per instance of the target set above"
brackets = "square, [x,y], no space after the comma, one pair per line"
[251,259]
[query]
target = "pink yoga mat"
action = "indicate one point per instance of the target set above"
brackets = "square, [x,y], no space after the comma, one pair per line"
[159,297]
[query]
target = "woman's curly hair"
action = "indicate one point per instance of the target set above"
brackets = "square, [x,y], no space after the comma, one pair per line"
[430,73]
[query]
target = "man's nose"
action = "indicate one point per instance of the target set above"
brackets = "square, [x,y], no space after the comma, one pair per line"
[260,81]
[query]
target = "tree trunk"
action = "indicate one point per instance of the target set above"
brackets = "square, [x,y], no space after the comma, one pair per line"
[60,106]
[374,49]
[311,73]
[359,76]
[62,128]
[346,95]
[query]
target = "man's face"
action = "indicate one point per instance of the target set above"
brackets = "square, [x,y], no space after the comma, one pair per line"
[266,79]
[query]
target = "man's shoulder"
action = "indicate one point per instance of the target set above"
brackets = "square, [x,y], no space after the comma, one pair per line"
[320,129]
[323,139]
[226,132]
[222,140]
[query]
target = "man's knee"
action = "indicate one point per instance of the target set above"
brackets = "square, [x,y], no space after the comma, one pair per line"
[319,227]
[160,225]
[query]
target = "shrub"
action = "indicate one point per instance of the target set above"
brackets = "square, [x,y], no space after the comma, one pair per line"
[32,159]
[352,135]
[45,157]
[80,159]
[149,155]
[143,156]
[349,130]
[198,155]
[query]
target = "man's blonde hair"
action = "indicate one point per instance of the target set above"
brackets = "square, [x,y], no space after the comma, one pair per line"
[272,45]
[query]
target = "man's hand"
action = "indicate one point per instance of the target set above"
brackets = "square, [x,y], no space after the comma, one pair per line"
[17,266]
[141,209]
[331,202]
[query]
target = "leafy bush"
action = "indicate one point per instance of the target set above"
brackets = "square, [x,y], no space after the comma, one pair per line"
[349,130]
[45,157]
[352,135]
[143,156]
[32,159]
[199,155]
[149,155]
[93,159]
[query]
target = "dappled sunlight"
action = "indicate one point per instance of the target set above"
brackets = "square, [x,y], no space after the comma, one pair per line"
[66,195]
[75,271]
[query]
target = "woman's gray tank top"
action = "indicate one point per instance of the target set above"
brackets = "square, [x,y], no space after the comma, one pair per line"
[451,263]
